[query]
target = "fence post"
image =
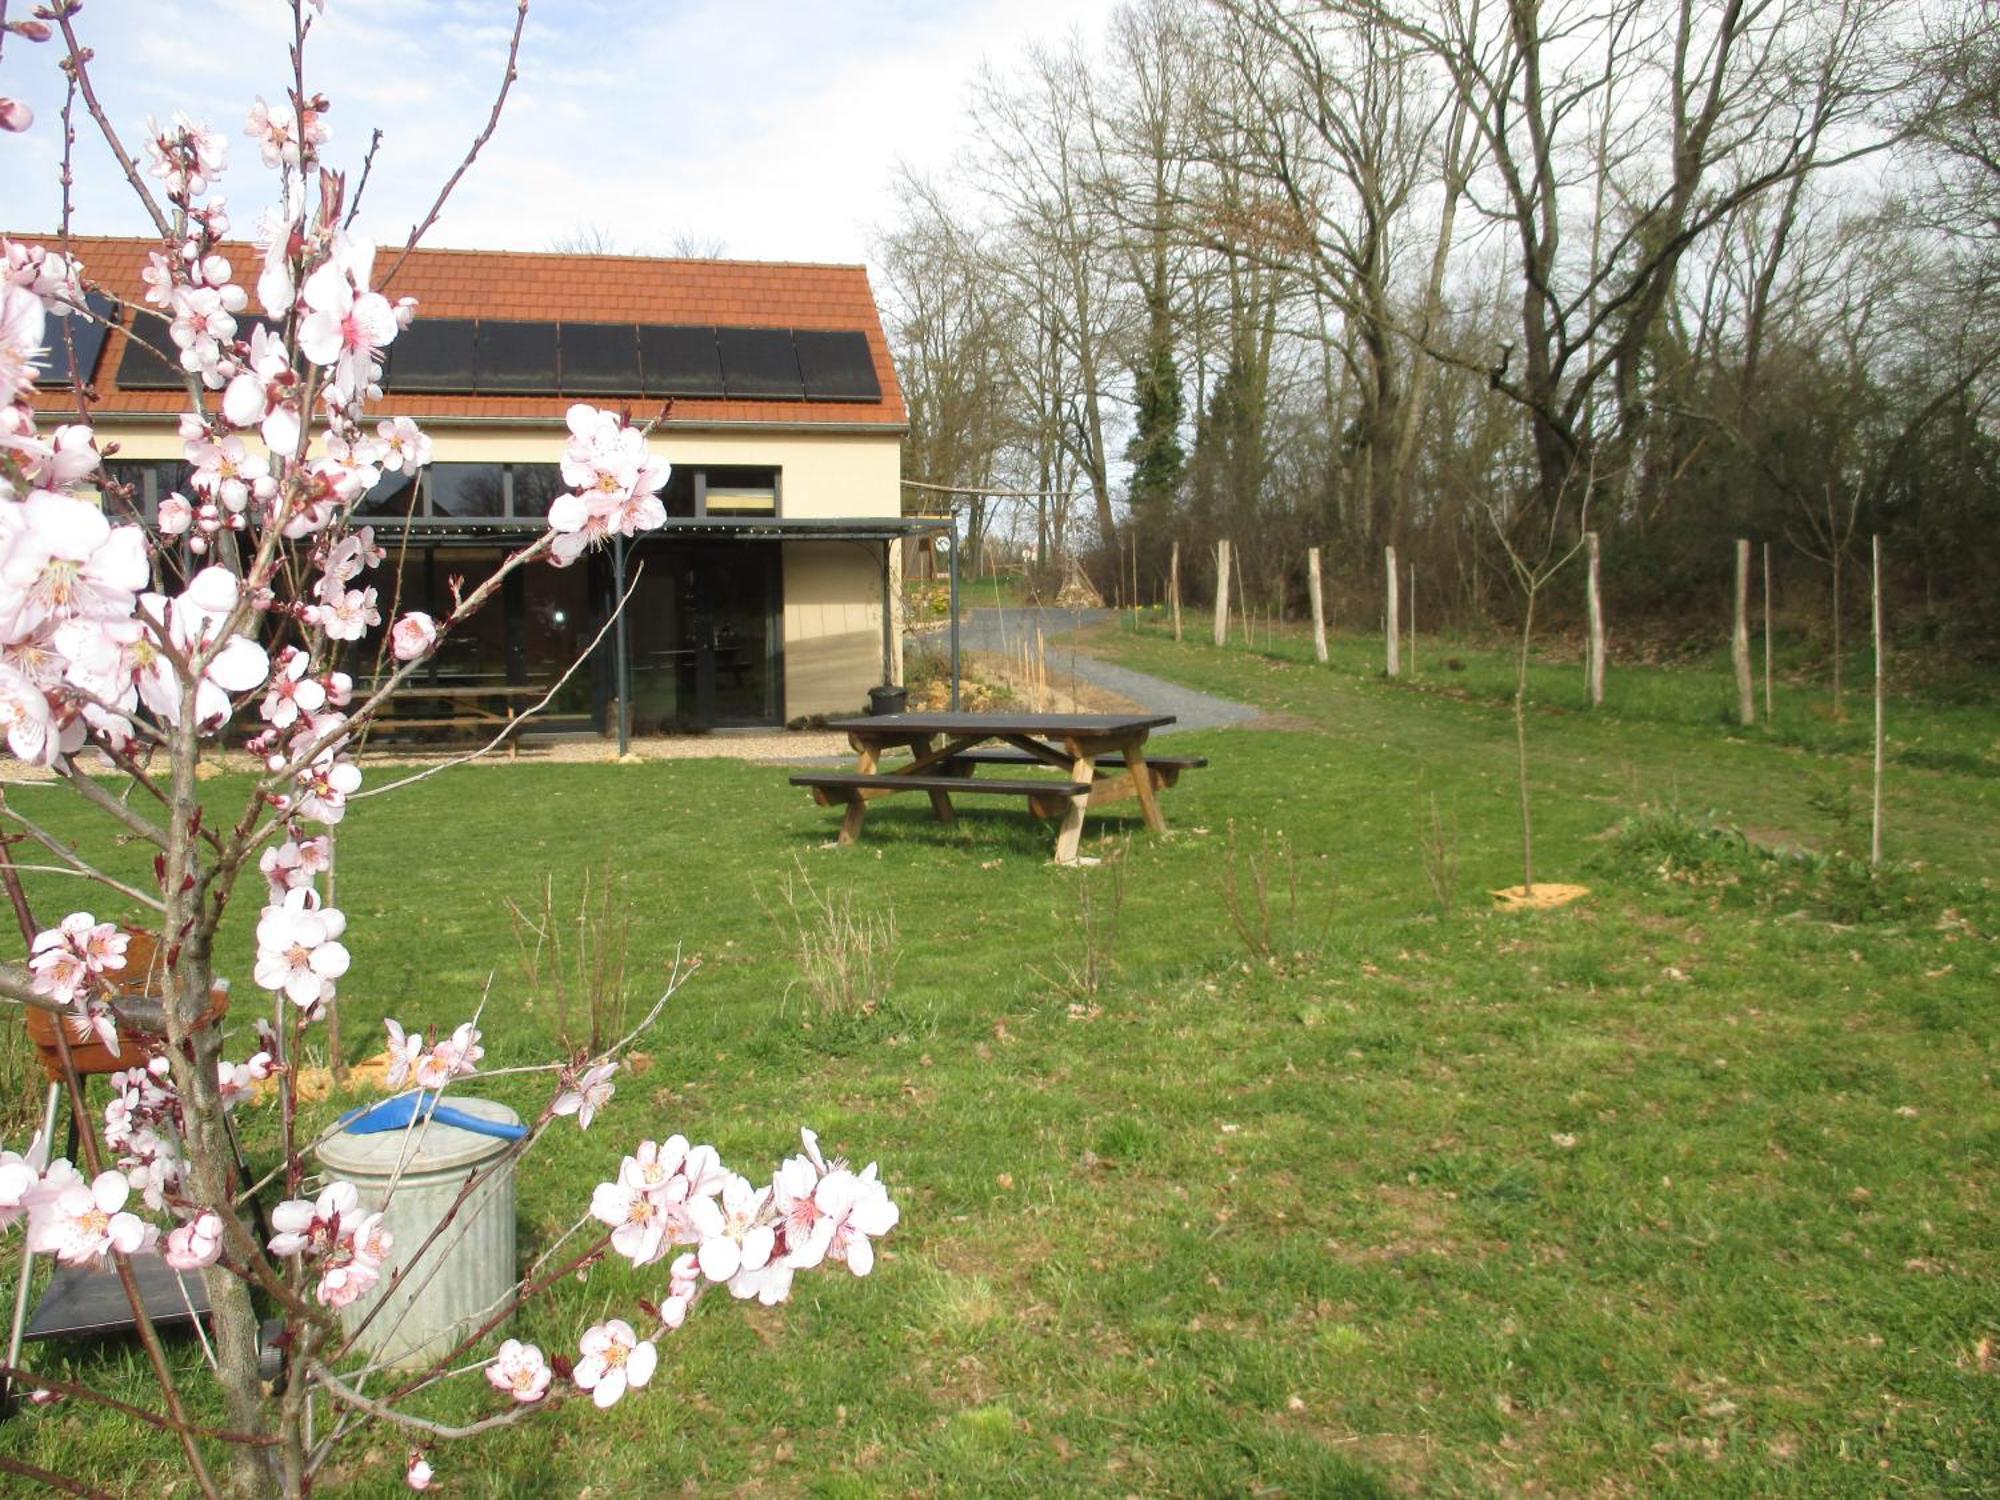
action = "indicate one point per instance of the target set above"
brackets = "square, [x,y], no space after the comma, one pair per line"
[1392,616]
[1739,639]
[1875,823]
[1318,604]
[1594,600]
[1222,593]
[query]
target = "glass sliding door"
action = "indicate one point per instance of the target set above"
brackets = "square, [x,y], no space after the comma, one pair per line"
[704,628]
[738,632]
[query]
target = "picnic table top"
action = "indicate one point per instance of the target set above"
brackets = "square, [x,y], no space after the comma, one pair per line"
[1053,725]
[461,690]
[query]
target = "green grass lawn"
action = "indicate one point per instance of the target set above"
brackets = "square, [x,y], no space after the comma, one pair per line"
[1687,1189]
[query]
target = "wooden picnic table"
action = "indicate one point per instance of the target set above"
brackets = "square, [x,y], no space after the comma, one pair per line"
[1102,758]
[459,706]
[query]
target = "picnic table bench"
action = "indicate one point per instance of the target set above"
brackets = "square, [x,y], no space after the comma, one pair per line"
[478,707]
[1097,758]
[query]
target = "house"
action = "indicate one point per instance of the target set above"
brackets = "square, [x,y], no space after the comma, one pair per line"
[770,594]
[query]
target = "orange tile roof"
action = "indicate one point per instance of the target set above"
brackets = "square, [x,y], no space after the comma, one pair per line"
[551,287]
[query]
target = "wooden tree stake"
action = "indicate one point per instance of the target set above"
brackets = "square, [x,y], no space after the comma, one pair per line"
[1222,593]
[1174,586]
[1392,616]
[1767,633]
[1413,620]
[1594,602]
[1318,605]
[1875,825]
[1739,640]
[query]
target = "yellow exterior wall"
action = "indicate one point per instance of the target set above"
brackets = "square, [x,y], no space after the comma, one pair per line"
[833,626]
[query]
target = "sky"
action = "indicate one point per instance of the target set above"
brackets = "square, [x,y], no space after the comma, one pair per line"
[772,128]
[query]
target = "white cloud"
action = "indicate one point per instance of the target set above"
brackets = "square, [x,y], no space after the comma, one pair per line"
[775,127]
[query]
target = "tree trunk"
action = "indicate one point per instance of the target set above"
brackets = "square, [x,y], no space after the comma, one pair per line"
[1739,639]
[1318,605]
[1594,601]
[1222,593]
[1839,702]
[1174,586]
[1392,613]
[194,1050]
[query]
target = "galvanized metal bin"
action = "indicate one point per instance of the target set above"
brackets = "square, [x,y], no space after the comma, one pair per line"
[463,1277]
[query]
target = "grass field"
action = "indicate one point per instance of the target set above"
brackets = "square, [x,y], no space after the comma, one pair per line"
[1684,1190]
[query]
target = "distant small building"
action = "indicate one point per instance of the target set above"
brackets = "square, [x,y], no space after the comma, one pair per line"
[771,592]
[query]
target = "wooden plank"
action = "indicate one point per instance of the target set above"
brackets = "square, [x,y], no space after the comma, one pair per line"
[1083,772]
[997,726]
[1142,781]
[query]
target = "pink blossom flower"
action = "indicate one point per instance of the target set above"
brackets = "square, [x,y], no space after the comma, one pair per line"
[32,730]
[345,614]
[419,1473]
[201,328]
[372,1240]
[324,787]
[413,636]
[20,1176]
[735,1235]
[22,321]
[298,949]
[237,1081]
[229,473]
[69,960]
[192,621]
[81,1225]
[346,1279]
[518,1370]
[292,692]
[406,447]
[176,515]
[585,1096]
[308,1226]
[60,559]
[263,394]
[15,115]
[185,156]
[403,1053]
[346,324]
[196,1243]
[639,1219]
[455,1057]
[614,1358]
[855,1211]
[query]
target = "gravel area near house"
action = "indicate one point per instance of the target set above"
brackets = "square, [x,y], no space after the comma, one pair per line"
[1003,631]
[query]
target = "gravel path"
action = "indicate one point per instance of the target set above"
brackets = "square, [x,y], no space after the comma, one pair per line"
[1003,630]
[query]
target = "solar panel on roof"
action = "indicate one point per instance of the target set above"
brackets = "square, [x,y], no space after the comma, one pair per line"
[759,362]
[515,358]
[836,365]
[599,358]
[139,367]
[679,361]
[86,335]
[434,354]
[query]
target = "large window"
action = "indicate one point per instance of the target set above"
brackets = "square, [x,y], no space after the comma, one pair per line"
[149,482]
[465,492]
[722,490]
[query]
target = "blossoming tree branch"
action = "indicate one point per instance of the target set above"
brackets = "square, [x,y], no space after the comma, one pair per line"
[127,655]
